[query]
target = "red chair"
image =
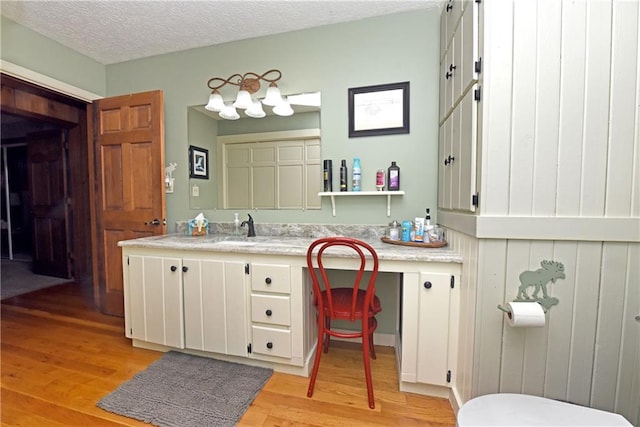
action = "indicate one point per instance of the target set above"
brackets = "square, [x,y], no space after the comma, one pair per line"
[346,303]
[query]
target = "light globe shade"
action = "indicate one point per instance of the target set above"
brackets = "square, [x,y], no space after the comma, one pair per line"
[255,110]
[273,96]
[243,100]
[216,103]
[229,113]
[283,109]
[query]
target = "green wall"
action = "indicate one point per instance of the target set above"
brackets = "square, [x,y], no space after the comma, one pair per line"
[330,59]
[26,48]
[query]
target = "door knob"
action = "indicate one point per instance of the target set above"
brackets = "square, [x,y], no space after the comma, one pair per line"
[267,280]
[155,221]
[174,268]
[268,312]
[427,285]
[185,268]
[269,345]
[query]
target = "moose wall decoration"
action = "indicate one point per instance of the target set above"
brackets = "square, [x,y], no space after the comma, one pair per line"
[538,281]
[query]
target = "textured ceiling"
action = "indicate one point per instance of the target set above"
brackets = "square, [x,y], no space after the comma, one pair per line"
[112,31]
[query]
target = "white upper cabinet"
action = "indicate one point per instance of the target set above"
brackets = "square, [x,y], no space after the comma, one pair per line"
[460,93]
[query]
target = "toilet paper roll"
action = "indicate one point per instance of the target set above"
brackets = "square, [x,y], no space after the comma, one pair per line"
[525,314]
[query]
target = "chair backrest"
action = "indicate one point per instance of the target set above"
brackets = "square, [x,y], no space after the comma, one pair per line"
[368,262]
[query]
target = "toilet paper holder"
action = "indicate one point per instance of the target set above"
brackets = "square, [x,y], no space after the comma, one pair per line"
[538,280]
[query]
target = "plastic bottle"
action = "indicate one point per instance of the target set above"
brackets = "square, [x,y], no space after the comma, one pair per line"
[328,175]
[357,175]
[236,224]
[380,175]
[343,176]
[393,177]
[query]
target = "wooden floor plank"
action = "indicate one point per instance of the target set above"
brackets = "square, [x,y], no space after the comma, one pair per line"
[59,356]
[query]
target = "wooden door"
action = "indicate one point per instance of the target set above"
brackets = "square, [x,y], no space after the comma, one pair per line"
[129,182]
[47,165]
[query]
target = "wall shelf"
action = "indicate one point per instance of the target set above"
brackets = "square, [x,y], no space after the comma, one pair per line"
[333,195]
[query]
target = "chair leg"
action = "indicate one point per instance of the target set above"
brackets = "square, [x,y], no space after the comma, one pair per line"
[372,349]
[327,326]
[367,371]
[316,362]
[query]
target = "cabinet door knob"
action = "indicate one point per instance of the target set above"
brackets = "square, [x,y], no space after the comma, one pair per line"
[452,67]
[427,285]
[448,75]
[185,268]
[267,280]
[269,345]
[174,268]
[449,7]
[268,313]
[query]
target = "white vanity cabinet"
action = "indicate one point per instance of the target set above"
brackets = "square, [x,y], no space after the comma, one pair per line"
[429,331]
[215,313]
[280,310]
[153,299]
[186,302]
[231,304]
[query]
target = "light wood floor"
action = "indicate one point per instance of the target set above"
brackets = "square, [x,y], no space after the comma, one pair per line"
[59,357]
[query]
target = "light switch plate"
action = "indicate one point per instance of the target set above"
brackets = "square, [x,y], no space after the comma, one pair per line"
[195,191]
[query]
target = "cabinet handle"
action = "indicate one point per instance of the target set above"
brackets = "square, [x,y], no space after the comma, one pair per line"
[185,268]
[268,312]
[452,67]
[174,268]
[427,285]
[449,7]
[267,280]
[448,75]
[269,345]
[449,160]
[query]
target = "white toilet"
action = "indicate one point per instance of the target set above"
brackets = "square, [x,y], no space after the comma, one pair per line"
[509,409]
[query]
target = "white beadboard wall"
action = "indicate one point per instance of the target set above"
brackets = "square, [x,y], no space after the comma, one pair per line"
[559,179]
[560,132]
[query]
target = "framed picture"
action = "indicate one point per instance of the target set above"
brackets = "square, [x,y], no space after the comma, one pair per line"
[198,162]
[379,110]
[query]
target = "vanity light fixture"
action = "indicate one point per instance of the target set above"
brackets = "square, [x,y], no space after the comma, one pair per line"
[248,85]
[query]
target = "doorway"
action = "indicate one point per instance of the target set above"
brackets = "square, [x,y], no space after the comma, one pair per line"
[26,110]
[26,267]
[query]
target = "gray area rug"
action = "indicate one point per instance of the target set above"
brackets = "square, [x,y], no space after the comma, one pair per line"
[17,278]
[184,390]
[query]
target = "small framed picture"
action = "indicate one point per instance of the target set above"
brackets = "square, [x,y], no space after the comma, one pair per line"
[198,162]
[379,110]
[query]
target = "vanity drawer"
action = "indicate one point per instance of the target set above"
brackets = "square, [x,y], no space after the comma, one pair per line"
[271,278]
[271,341]
[272,309]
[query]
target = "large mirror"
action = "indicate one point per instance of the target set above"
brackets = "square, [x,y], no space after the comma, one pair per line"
[205,128]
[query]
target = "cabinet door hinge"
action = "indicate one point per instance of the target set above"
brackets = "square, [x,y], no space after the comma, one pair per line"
[127,260]
[449,376]
[249,348]
[477,94]
[131,331]
[475,200]
[478,66]
[452,282]
[246,271]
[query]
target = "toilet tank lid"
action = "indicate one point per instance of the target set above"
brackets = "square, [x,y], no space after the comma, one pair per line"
[525,410]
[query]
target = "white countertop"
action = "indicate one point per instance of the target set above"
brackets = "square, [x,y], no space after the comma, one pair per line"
[284,245]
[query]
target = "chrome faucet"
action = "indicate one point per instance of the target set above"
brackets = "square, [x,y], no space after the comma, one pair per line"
[252,231]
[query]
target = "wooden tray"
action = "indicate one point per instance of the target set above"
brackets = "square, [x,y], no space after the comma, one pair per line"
[414,244]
